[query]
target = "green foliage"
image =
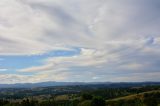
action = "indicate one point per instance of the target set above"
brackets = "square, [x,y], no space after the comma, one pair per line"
[3,102]
[152,99]
[142,96]
[75,102]
[87,96]
[98,101]
[85,103]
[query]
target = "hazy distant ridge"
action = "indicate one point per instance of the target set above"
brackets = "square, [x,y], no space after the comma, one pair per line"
[47,84]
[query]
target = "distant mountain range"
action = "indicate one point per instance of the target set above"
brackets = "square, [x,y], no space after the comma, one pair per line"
[48,84]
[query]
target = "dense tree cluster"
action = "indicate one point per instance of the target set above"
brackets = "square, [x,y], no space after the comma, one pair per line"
[96,101]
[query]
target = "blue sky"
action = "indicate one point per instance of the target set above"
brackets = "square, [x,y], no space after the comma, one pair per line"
[79,40]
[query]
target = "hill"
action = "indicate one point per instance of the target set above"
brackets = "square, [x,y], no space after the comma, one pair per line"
[149,98]
[82,95]
[53,83]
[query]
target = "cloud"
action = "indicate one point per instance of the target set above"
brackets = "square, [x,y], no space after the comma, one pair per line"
[138,77]
[37,69]
[87,57]
[20,33]
[53,25]
[3,69]
[19,78]
[131,66]
[114,37]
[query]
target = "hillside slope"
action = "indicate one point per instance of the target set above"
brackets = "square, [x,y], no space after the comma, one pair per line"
[150,98]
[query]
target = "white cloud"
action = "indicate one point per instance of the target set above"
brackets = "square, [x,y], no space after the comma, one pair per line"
[132,66]
[22,29]
[87,57]
[3,69]
[38,69]
[17,78]
[41,26]
[139,77]
[111,34]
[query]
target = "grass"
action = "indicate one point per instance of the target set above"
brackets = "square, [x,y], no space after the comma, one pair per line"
[140,96]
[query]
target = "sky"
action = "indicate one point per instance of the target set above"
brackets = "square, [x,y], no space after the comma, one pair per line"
[79,41]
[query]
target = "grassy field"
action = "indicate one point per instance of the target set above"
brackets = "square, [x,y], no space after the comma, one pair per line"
[149,98]
[139,95]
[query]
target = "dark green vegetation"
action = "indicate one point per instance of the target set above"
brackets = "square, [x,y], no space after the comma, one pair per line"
[82,95]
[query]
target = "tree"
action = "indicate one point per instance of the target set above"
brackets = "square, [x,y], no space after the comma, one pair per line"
[98,101]
[87,96]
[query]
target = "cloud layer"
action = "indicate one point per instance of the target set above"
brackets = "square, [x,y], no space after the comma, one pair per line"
[117,40]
